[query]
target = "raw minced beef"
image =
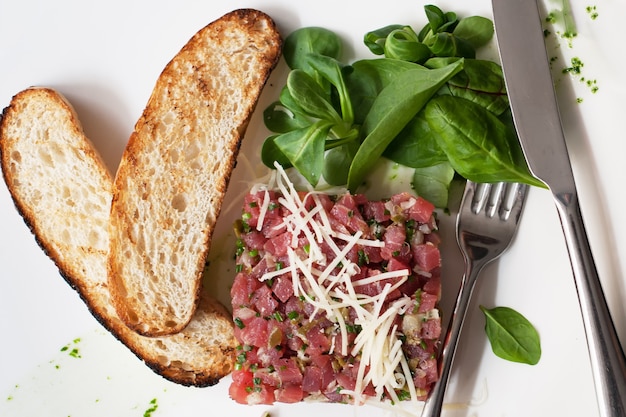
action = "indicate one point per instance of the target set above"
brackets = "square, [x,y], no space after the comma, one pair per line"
[335,297]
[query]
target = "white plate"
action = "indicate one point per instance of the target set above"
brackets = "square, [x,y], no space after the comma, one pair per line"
[106,56]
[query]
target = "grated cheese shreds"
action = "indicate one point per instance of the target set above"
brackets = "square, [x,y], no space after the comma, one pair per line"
[375,329]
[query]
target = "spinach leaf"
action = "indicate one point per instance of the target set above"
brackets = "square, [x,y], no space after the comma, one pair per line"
[403,44]
[482,82]
[281,119]
[308,40]
[447,44]
[433,183]
[337,163]
[270,153]
[416,146]
[310,96]
[396,104]
[476,30]
[479,146]
[511,335]
[334,72]
[369,77]
[438,21]
[375,39]
[304,148]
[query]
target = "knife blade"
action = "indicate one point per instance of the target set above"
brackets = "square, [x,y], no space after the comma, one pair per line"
[537,120]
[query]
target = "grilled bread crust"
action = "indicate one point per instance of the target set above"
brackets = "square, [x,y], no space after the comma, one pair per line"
[63,191]
[174,172]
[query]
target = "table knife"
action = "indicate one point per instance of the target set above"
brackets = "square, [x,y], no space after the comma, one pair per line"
[534,106]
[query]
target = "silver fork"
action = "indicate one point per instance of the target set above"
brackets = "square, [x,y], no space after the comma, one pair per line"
[485,226]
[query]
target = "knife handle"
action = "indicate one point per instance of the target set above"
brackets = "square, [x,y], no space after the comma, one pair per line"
[608,364]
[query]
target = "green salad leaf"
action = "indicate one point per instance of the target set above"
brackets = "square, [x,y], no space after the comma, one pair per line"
[511,335]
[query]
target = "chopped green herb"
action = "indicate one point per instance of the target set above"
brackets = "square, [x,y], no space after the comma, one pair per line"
[592,12]
[72,351]
[239,323]
[403,395]
[153,407]
[292,315]
[239,247]
[363,258]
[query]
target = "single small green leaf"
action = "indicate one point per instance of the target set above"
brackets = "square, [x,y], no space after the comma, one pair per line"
[333,71]
[479,146]
[511,335]
[304,148]
[403,44]
[394,107]
[310,40]
[436,17]
[337,163]
[447,44]
[438,22]
[433,183]
[270,153]
[311,97]
[280,119]
[476,30]
[375,39]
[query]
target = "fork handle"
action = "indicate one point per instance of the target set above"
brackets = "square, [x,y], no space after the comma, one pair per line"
[434,402]
[608,364]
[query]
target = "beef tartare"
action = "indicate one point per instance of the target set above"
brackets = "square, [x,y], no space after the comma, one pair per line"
[335,297]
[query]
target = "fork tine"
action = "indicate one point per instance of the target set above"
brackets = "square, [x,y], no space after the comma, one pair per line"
[496,196]
[513,205]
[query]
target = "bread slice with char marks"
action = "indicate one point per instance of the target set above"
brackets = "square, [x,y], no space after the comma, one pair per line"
[175,169]
[63,191]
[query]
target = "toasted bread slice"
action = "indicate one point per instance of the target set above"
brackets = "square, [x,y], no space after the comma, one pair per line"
[63,191]
[175,169]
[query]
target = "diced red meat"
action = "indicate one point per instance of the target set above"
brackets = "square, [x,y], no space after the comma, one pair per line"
[312,379]
[431,329]
[427,302]
[427,256]
[395,239]
[319,342]
[421,211]
[243,287]
[348,215]
[255,333]
[282,288]
[287,371]
[289,393]
[376,210]
[264,301]
[278,245]
[433,285]
[289,348]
